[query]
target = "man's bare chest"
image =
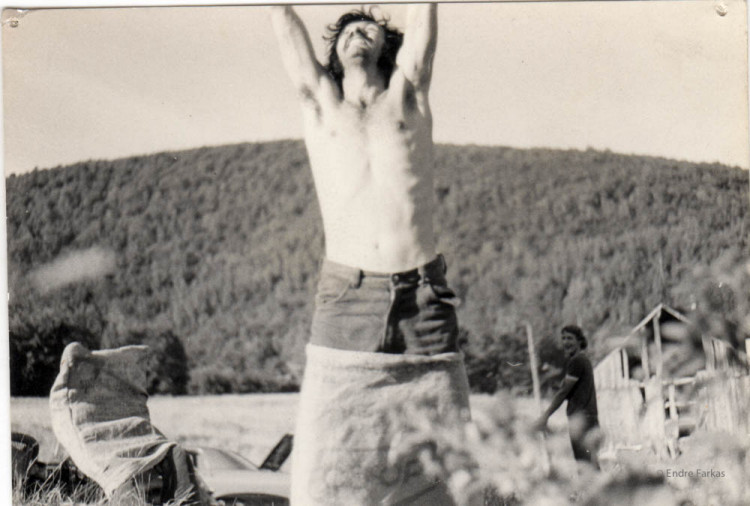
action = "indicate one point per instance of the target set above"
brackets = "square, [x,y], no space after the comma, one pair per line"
[382,119]
[378,121]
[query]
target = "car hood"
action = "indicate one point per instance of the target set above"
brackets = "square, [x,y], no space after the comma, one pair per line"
[241,481]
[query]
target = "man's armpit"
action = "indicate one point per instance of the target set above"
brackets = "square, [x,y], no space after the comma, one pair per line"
[310,100]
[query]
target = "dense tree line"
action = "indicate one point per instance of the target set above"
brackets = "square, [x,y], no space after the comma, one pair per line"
[216,252]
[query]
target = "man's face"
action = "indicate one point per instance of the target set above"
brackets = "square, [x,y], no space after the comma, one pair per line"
[570,344]
[360,40]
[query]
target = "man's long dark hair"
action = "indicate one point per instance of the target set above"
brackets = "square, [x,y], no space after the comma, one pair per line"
[387,60]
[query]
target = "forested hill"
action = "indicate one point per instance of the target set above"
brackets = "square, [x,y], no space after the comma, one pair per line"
[212,255]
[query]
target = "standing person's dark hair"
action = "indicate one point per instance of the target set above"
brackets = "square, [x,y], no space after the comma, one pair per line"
[578,333]
[387,60]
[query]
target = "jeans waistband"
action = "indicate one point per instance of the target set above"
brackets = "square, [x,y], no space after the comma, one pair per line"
[434,269]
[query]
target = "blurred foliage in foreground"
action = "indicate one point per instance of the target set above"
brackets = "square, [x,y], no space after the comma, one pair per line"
[211,255]
[496,461]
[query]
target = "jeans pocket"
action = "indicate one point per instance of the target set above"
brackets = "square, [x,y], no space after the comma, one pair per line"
[331,289]
[444,293]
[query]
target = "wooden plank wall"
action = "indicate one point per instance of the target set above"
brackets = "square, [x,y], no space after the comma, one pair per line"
[619,400]
[653,422]
[721,396]
[723,402]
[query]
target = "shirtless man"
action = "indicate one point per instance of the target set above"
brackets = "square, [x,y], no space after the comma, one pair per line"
[382,290]
[368,132]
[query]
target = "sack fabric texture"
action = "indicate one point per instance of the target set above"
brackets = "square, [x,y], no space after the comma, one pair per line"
[357,413]
[99,414]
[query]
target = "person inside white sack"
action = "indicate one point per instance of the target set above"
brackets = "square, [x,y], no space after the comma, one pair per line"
[368,132]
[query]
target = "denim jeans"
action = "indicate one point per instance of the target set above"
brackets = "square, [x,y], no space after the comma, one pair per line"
[580,434]
[411,312]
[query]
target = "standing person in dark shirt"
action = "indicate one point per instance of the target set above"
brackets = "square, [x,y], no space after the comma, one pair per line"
[579,390]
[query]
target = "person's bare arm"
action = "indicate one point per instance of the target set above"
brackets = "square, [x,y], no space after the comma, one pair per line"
[567,385]
[417,52]
[297,53]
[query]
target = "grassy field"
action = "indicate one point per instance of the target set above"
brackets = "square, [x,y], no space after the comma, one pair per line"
[249,424]
[507,456]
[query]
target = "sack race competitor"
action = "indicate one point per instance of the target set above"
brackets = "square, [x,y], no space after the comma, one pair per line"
[99,415]
[353,409]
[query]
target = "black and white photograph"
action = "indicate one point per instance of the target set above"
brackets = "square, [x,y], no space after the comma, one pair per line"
[467,254]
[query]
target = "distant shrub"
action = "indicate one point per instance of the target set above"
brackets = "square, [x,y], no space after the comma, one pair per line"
[35,351]
[499,363]
[213,379]
[168,365]
[209,380]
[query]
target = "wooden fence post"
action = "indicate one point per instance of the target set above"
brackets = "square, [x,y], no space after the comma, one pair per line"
[537,396]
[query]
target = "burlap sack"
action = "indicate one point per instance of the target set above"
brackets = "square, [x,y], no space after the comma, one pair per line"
[352,411]
[99,414]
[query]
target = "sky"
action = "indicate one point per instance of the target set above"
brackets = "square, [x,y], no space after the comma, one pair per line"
[654,78]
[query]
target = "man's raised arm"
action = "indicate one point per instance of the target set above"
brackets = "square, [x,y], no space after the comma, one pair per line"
[296,50]
[415,57]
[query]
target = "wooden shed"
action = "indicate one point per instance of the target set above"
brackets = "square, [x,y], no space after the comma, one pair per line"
[647,406]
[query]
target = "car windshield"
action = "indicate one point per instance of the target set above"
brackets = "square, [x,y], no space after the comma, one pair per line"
[215,458]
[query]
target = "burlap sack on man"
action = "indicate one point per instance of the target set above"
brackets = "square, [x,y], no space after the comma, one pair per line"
[353,409]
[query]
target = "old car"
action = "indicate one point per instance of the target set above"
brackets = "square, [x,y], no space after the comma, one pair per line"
[232,479]
[236,481]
